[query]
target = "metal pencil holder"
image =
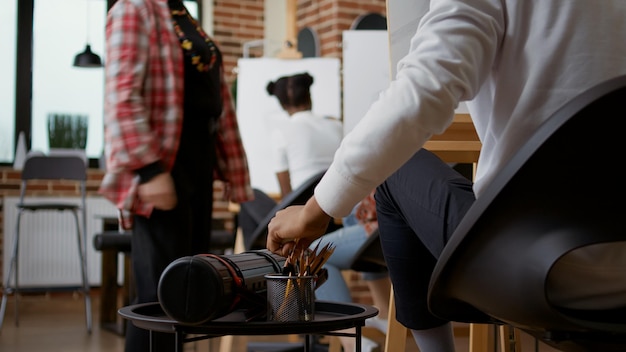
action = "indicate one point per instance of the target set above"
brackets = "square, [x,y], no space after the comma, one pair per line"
[290,298]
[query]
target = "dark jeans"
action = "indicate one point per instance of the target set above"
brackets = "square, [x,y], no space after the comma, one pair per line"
[418,207]
[166,236]
[156,242]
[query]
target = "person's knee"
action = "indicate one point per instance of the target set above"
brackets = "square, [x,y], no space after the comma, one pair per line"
[384,198]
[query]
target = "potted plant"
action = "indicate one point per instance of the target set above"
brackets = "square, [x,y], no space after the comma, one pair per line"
[67,131]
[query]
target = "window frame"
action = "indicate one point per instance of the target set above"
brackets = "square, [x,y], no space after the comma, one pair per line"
[23,72]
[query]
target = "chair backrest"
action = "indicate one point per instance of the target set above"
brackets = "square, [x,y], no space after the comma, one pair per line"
[61,167]
[369,258]
[54,168]
[561,191]
[253,212]
[299,196]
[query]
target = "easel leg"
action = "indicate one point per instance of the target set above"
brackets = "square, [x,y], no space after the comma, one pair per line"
[481,338]
[510,339]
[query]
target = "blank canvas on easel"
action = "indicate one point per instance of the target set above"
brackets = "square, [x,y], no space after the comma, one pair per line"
[258,112]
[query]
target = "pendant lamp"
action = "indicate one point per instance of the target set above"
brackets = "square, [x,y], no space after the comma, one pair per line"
[87,58]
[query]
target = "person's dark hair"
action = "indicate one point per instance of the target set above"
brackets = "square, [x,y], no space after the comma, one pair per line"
[292,91]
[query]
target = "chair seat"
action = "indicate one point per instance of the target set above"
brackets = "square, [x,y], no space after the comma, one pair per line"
[48,206]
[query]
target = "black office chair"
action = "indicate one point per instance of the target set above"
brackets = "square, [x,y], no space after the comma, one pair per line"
[560,192]
[369,258]
[252,213]
[39,167]
[256,239]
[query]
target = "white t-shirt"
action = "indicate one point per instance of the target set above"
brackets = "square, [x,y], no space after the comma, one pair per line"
[305,145]
[515,62]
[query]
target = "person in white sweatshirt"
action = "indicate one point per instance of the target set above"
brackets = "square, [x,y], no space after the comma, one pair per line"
[515,63]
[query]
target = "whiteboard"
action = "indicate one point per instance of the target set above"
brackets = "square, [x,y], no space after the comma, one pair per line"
[258,113]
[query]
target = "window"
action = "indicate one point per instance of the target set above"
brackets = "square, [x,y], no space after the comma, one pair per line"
[8,33]
[61,29]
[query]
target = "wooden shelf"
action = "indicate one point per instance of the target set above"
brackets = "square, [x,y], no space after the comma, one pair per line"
[459,143]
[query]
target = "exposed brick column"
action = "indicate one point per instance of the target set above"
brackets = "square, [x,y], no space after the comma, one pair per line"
[236,22]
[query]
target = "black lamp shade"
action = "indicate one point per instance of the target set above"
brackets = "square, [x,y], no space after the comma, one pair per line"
[87,58]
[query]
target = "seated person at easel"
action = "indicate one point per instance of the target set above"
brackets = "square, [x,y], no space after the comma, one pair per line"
[303,145]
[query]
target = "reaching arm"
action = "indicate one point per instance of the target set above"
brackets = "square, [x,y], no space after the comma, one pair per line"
[304,223]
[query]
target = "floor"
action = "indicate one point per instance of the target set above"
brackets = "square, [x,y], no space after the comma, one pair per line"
[56,322]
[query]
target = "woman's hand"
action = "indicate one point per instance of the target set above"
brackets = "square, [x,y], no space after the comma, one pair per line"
[304,223]
[159,191]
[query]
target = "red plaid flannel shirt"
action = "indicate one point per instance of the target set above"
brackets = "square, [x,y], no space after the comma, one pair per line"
[144,106]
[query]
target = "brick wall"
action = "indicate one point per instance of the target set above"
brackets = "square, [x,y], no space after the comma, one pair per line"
[329,18]
[236,22]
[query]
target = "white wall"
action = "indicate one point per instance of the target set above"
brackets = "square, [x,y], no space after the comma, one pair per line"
[403,17]
[365,73]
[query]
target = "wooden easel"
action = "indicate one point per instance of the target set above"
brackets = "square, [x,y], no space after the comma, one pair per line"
[290,46]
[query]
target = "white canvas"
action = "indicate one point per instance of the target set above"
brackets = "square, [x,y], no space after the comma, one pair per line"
[258,112]
[403,17]
[365,73]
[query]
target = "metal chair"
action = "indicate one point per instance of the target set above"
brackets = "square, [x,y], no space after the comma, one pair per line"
[64,167]
[559,192]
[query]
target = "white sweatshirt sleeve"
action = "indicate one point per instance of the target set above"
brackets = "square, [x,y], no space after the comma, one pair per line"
[450,56]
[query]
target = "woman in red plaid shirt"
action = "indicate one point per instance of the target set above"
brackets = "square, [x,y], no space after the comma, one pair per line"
[170,130]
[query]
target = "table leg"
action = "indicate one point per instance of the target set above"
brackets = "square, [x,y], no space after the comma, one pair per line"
[108,289]
[358,338]
[180,336]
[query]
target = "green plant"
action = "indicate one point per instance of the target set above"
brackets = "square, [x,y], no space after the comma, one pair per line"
[67,131]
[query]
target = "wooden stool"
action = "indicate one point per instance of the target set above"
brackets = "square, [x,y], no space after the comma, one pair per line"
[480,339]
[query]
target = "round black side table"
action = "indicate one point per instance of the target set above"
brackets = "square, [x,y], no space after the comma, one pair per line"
[329,317]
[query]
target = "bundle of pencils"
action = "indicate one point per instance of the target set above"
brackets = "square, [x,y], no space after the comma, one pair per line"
[307,262]
[304,264]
